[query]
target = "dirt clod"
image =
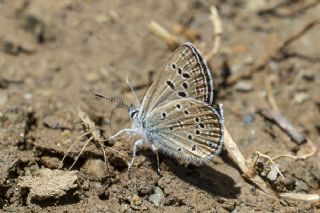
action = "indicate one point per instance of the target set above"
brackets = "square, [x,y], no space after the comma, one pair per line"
[95,169]
[49,184]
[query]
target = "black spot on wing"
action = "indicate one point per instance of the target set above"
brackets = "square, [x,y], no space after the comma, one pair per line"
[182,94]
[186,75]
[170,84]
[185,85]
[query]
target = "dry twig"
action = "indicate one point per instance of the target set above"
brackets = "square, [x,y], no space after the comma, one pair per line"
[239,159]
[283,123]
[289,8]
[250,176]
[95,137]
[171,40]
[190,33]
[273,54]
[300,196]
[307,150]
[270,97]
[276,116]
[217,26]
[272,162]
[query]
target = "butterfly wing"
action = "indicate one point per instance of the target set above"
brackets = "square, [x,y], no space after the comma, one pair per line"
[186,74]
[187,128]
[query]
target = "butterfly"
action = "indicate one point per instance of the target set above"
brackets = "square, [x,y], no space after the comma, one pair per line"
[177,116]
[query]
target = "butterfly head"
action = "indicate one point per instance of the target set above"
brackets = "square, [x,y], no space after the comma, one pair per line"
[133,112]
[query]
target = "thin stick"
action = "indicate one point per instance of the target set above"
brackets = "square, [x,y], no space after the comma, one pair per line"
[309,144]
[239,160]
[85,145]
[159,31]
[217,26]
[282,9]
[271,161]
[283,123]
[272,54]
[189,33]
[300,33]
[301,197]
[69,149]
[94,131]
[271,99]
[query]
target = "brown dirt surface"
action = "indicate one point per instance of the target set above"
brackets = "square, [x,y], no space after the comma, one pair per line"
[54,54]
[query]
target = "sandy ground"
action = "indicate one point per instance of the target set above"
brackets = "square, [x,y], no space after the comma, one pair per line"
[53,54]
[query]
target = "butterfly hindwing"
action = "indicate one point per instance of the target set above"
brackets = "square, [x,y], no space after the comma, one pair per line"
[187,128]
[186,74]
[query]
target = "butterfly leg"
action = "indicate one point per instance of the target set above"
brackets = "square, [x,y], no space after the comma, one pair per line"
[155,150]
[136,144]
[120,132]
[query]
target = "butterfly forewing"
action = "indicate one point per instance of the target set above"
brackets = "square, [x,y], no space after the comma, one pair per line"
[186,74]
[186,128]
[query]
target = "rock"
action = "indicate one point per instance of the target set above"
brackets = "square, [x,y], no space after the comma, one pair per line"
[300,97]
[230,205]
[157,197]
[95,169]
[92,77]
[248,60]
[14,47]
[101,18]
[8,161]
[145,187]
[136,201]
[308,75]
[273,174]
[50,162]
[243,86]
[34,24]
[125,208]
[49,184]
[248,118]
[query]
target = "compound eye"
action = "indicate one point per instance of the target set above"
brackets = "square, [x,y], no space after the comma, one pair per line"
[133,114]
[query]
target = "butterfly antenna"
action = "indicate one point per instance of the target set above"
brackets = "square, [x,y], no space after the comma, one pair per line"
[111,99]
[131,88]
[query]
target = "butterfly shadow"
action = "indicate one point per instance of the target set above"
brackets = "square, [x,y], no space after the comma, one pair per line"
[204,177]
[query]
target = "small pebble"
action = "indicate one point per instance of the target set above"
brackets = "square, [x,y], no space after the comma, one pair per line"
[86,185]
[125,208]
[271,209]
[136,201]
[300,97]
[145,188]
[243,86]
[248,119]
[249,60]
[273,174]
[157,197]
[229,205]
[307,75]
[28,96]
[50,162]
[101,18]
